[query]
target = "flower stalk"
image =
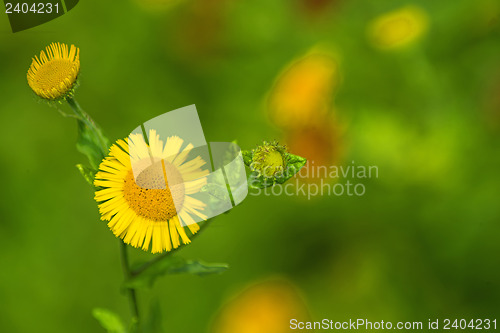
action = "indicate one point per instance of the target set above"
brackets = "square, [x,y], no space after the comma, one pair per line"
[89,131]
[132,295]
[103,146]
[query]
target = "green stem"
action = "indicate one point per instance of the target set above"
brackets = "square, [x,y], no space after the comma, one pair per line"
[103,144]
[89,122]
[134,307]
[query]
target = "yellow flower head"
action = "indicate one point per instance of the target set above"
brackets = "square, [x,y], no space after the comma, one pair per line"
[53,75]
[141,203]
[269,159]
[398,28]
[303,91]
[266,307]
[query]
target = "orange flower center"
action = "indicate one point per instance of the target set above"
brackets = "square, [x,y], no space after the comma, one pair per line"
[157,193]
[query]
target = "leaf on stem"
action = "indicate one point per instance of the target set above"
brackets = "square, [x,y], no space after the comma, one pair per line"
[171,265]
[89,143]
[87,173]
[109,320]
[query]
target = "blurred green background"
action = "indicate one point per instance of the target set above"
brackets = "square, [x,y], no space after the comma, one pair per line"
[421,243]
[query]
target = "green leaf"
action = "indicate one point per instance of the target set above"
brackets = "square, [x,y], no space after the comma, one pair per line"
[146,275]
[89,143]
[109,320]
[293,165]
[87,173]
[247,157]
[217,191]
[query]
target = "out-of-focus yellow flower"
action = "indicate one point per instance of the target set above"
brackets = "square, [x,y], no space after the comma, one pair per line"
[398,28]
[263,308]
[53,75]
[320,144]
[303,92]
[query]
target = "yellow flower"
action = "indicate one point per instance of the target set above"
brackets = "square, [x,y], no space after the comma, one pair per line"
[266,307]
[53,75]
[398,28]
[142,207]
[303,92]
[321,144]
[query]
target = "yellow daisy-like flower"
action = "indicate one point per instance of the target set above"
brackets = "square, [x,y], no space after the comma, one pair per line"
[398,28]
[53,75]
[142,207]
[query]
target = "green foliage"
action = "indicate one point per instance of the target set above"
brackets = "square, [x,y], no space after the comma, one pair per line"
[91,141]
[86,145]
[293,165]
[154,322]
[87,173]
[109,320]
[256,179]
[247,157]
[217,191]
[146,275]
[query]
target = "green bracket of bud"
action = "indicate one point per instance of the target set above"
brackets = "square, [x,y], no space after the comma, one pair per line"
[271,164]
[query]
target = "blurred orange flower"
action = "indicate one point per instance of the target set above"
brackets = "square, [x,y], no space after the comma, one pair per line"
[266,307]
[319,144]
[303,92]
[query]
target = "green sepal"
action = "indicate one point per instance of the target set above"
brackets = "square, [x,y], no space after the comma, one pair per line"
[256,180]
[109,320]
[87,173]
[293,165]
[171,265]
[247,157]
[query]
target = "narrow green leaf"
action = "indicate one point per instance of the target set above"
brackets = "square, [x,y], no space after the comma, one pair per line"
[171,265]
[109,320]
[87,173]
[89,143]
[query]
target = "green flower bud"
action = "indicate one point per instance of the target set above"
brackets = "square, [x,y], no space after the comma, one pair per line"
[271,163]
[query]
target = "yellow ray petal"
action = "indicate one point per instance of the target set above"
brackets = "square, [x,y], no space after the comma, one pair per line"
[172,147]
[174,236]
[180,230]
[180,158]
